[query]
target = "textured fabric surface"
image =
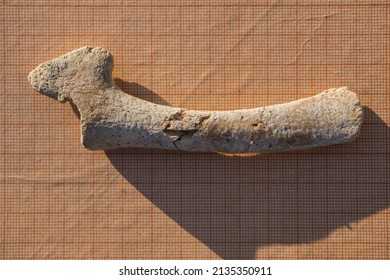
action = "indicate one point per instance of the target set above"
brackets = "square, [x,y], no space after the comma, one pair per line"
[60,201]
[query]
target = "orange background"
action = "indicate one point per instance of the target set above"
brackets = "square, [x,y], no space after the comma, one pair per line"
[60,201]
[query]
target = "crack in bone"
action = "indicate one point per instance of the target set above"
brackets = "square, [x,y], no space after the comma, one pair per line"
[179,126]
[255,128]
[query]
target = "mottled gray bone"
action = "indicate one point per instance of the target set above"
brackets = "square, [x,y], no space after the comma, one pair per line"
[113,119]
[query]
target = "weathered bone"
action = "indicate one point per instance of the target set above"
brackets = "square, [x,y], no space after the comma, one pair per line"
[113,119]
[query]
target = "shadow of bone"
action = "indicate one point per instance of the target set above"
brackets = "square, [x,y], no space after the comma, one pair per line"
[140,91]
[235,205]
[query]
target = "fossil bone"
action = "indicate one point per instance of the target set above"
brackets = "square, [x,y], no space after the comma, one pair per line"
[113,119]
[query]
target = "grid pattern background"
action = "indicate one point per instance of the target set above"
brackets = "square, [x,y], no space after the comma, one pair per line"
[60,201]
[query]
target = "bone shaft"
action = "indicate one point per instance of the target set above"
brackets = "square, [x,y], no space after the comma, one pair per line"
[325,119]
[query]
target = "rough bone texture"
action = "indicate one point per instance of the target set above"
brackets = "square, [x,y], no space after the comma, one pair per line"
[113,119]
